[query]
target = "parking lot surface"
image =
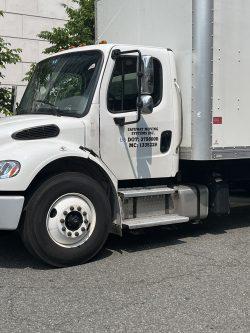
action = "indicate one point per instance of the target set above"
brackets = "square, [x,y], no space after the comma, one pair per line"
[185,278]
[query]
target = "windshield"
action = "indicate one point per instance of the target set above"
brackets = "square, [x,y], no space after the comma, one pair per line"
[62,85]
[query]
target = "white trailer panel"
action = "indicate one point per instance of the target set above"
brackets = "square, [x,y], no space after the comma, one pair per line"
[210,42]
[141,22]
[231,80]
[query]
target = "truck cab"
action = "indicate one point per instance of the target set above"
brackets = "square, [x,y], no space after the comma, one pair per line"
[94,149]
[100,92]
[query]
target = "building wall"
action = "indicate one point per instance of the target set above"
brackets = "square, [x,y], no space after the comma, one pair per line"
[22,21]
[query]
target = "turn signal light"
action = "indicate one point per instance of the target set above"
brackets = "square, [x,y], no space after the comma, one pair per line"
[9,169]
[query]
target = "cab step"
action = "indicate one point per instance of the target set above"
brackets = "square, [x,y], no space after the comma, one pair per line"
[145,191]
[139,223]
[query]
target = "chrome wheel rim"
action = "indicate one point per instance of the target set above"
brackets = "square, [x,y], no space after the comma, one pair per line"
[71,220]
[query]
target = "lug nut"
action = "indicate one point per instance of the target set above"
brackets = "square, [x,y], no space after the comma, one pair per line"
[63,229]
[86,221]
[83,229]
[84,213]
[71,208]
[76,234]
[65,213]
[62,220]
[79,208]
[69,234]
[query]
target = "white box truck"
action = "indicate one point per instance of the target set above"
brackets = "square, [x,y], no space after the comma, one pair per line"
[148,130]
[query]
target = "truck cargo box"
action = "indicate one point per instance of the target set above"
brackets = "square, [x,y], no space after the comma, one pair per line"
[210,39]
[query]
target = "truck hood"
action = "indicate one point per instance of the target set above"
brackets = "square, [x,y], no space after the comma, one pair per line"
[71,129]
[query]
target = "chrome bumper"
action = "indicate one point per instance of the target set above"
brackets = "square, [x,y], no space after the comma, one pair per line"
[10,211]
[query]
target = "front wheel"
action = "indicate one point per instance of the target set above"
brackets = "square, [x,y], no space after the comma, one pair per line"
[67,220]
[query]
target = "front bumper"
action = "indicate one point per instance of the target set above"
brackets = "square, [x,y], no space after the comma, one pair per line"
[10,211]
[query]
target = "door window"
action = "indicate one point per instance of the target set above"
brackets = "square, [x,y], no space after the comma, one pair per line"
[123,89]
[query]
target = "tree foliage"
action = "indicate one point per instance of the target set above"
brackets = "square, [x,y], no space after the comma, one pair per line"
[78,30]
[30,72]
[7,56]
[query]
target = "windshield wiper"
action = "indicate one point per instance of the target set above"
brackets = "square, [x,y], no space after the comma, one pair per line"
[45,102]
[53,107]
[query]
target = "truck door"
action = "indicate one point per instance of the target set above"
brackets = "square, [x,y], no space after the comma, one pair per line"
[146,149]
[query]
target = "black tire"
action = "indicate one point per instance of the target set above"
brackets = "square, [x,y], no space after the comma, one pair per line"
[34,231]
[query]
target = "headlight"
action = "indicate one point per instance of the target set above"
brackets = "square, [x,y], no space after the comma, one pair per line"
[9,169]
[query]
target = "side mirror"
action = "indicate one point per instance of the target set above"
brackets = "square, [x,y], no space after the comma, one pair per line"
[147,84]
[147,104]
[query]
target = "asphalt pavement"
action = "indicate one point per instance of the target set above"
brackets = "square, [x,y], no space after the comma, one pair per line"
[185,278]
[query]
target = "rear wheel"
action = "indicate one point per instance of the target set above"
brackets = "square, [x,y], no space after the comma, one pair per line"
[67,220]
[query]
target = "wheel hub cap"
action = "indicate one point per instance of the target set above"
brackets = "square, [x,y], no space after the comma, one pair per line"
[71,220]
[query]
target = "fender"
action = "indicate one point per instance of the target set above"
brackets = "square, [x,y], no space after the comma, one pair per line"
[117,210]
[35,155]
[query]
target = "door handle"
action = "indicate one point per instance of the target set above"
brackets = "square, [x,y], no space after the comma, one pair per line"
[120,121]
[166,139]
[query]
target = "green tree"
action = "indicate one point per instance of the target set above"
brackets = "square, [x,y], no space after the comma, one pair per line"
[78,30]
[7,56]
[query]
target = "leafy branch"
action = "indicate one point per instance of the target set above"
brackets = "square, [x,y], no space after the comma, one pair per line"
[7,56]
[79,30]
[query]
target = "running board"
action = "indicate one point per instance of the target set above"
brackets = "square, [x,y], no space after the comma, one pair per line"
[154,221]
[145,191]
